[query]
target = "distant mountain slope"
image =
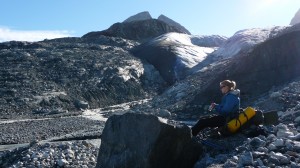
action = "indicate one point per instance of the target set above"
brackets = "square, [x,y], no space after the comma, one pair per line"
[141,31]
[208,40]
[244,40]
[173,54]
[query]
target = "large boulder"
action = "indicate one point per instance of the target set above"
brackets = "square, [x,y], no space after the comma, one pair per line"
[140,140]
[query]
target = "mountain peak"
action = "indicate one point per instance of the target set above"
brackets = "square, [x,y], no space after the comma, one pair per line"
[296,18]
[173,23]
[138,17]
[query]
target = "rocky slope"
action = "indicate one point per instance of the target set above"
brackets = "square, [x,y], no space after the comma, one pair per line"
[270,64]
[172,54]
[65,75]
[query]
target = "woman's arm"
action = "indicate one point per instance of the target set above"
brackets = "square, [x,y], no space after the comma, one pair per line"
[231,101]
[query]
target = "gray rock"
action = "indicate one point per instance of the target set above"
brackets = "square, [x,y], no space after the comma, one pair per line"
[246,159]
[164,113]
[81,104]
[141,140]
[274,160]
[280,157]
[257,142]
[62,162]
[296,137]
[279,142]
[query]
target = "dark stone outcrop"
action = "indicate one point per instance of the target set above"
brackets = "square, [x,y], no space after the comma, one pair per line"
[140,140]
[139,30]
[161,56]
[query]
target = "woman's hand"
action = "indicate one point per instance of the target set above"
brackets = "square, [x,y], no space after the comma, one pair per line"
[212,106]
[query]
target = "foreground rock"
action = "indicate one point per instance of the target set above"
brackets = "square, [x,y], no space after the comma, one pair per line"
[140,140]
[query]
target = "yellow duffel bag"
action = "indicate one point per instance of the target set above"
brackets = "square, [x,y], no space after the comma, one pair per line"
[234,125]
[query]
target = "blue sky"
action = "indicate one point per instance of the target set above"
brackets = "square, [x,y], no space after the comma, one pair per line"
[32,20]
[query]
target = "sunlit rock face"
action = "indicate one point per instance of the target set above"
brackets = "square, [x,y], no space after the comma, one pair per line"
[208,40]
[138,17]
[173,23]
[296,18]
[173,54]
[245,40]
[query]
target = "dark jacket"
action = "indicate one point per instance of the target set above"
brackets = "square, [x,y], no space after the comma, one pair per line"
[230,104]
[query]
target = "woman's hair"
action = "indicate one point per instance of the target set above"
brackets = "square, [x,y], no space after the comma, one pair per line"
[229,83]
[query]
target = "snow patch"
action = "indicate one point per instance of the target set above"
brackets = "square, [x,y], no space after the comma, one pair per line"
[246,39]
[135,71]
[188,54]
[93,114]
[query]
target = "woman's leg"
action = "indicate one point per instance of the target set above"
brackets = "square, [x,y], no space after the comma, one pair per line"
[208,121]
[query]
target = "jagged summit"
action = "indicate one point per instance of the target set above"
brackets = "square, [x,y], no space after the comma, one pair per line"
[138,17]
[146,16]
[296,18]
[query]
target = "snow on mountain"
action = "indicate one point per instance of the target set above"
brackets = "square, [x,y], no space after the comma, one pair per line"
[188,54]
[208,41]
[173,55]
[244,40]
[296,18]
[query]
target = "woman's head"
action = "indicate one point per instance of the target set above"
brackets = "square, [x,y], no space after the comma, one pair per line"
[227,85]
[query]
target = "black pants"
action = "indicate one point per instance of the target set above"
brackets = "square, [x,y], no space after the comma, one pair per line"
[208,121]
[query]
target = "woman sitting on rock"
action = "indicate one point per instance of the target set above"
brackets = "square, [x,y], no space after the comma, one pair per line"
[227,110]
